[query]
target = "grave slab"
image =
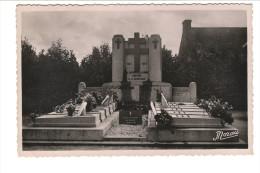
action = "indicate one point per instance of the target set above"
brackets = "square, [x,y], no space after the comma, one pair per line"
[186,120]
[88,120]
[69,133]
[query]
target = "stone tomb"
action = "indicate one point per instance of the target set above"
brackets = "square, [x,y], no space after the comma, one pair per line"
[81,118]
[137,69]
[58,133]
[88,120]
[82,126]
[190,124]
[191,117]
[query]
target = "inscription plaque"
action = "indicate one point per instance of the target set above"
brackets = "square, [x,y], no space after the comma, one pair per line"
[132,117]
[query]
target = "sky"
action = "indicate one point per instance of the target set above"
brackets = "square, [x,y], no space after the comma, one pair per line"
[81,31]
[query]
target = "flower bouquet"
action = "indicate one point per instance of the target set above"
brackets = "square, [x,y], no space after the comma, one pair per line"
[70,108]
[80,98]
[59,108]
[33,116]
[99,98]
[115,97]
[163,119]
[218,109]
[91,102]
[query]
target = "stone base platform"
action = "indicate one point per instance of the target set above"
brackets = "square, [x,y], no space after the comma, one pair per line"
[69,133]
[222,134]
[106,144]
[91,119]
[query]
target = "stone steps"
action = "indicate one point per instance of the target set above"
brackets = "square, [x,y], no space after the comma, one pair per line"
[168,145]
[183,134]
[123,138]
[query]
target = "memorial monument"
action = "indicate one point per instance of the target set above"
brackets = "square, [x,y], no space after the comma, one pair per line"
[137,69]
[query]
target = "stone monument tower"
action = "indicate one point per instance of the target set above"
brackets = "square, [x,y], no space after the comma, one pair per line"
[139,61]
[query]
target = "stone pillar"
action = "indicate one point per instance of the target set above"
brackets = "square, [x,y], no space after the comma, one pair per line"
[193,92]
[155,58]
[117,58]
[81,87]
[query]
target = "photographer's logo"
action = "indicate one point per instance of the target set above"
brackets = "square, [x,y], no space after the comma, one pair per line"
[220,135]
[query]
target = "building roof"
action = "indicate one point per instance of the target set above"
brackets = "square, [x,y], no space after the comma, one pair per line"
[212,39]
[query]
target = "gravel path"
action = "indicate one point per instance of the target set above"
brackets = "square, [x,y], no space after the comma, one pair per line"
[127,130]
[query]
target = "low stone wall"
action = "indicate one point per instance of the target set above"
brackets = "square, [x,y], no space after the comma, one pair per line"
[185,94]
[94,89]
[179,94]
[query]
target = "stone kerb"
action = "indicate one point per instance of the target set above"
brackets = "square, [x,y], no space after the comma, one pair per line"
[105,102]
[153,108]
[193,92]
[82,109]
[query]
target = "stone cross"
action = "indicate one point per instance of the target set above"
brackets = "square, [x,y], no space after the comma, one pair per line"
[137,50]
[118,43]
[81,87]
[155,44]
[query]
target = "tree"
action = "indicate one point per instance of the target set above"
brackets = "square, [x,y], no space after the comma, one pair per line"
[168,64]
[53,76]
[29,66]
[96,68]
[219,73]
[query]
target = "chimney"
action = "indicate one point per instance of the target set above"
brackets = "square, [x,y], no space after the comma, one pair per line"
[137,35]
[186,25]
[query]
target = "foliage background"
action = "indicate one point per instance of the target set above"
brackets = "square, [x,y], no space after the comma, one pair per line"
[51,77]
